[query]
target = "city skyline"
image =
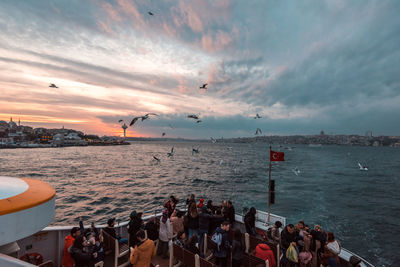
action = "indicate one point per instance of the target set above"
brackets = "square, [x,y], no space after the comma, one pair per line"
[304,67]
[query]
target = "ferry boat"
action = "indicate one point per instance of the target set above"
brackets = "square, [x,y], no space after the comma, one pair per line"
[27,207]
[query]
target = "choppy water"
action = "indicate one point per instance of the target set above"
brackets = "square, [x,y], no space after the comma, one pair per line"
[361,208]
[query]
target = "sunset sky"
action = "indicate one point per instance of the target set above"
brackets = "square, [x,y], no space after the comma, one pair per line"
[304,66]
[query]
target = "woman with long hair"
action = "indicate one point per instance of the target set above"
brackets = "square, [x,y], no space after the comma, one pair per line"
[193,220]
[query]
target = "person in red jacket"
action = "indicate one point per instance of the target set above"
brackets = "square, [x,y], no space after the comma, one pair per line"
[264,252]
[67,260]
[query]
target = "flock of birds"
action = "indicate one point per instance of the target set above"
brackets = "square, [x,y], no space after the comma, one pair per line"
[197,119]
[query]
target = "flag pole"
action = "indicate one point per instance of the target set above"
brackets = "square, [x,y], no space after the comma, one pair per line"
[269,186]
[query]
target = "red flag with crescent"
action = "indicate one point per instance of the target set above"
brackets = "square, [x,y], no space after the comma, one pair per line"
[276,156]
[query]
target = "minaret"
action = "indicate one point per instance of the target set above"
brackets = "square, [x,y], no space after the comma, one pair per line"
[124,127]
[19,121]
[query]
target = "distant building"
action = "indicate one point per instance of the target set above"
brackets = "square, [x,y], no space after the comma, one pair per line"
[368,134]
[322,132]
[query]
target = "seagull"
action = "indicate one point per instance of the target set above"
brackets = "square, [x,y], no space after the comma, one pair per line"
[296,171]
[120,120]
[163,134]
[171,154]
[213,140]
[134,120]
[258,131]
[257,116]
[204,86]
[193,116]
[150,13]
[157,159]
[198,121]
[195,150]
[52,85]
[362,168]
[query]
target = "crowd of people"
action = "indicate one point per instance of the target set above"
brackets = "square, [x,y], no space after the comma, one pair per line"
[300,246]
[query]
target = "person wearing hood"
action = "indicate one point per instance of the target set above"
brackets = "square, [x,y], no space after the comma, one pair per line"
[264,252]
[67,260]
[143,252]
[250,222]
[165,234]
[82,256]
[221,254]
[135,224]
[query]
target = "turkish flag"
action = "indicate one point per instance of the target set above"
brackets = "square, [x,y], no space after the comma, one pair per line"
[276,156]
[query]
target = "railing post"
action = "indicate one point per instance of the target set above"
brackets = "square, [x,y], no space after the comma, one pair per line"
[278,255]
[196,260]
[205,244]
[171,254]
[267,263]
[247,242]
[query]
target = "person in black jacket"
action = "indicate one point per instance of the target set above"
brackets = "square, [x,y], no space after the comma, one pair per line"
[135,224]
[231,213]
[204,225]
[288,237]
[82,256]
[238,248]
[152,229]
[250,222]
[193,220]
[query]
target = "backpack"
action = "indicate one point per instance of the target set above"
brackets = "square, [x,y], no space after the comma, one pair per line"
[217,239]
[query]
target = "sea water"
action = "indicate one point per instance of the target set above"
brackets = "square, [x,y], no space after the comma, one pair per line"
[361,208]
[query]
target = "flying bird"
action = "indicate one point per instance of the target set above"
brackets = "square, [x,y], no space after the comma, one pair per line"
[296,171]
[157,159]
[120,120]
[257,116]
[171,154]
[362,168]
[204,86]
[134,120]
[198,121]
[193,116]
[163,134]
[258,131]
[52,85]
[150,13]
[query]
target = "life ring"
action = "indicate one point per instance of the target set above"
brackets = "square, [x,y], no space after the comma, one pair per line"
[34,258]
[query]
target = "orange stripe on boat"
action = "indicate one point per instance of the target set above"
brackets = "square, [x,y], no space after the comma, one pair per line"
[38,193]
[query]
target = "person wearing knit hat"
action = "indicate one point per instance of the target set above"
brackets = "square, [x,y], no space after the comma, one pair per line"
[201,203]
